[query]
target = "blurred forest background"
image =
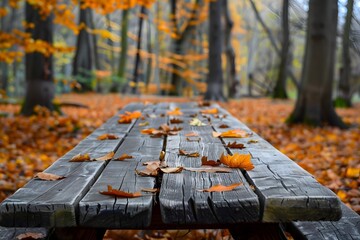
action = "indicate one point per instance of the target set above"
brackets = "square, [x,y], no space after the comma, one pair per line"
[72,63]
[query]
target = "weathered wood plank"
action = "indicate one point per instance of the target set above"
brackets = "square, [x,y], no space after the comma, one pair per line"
[181,202]
[12,233]
[347,228]
[54,203]
[286,191]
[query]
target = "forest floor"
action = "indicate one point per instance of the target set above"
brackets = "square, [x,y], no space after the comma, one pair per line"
[30,144]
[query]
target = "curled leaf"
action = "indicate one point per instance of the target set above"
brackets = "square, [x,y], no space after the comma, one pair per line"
[175,112]
[184,153]
[48,176]
[119,193]
[30,235]
[106,157]
[172,169]
[205,162]
[129,116]
[234,133]
[223,126]
[210,111]
[152,169]
[123,157]
[253,141]
[81,158]
[176,120]
[191,134]
[237,161]
[193,139]
[197,122]
[235,145]
[221,188]
[150,190]
[107,136]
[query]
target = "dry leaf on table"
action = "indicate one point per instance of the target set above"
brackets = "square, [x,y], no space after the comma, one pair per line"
[221,188]
[48,176]
[237,161]
[128,117]
[106,157]
[193,139]
[150,190]
[119,193]
[209,111]
[81,158]
[205,162]
[191,134]
[172,169]
[107,136]
[234,133]
[184,153]
[123,157]
[176,120]
[235,145]
[175,112]
[197,122]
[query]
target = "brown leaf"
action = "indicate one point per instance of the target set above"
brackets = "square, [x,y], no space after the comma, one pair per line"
[235,145]
[81,158]
[184,153]
[221,188]
[193,139]
[106,157]
[209,169]
[223,126]
[150,190]
[162,156]
[193,115]
[152,169]
[30,235]
[48,176]
[205,162]
[107,136]
[121,194]
[237,161]
[204,104]
[172,169]
[252,141]
[191,134]
[176,120]
[123,157]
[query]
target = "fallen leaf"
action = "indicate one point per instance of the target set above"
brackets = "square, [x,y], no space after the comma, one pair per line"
[237,161]
[48,176]
[175,112]
[223,126]
[106,157]
[119,193]
[234,133]
[193,140]
[205,162]
[193,115]
[143,124]
[123,157]
[209,111]
[152,169]
[209,169]
[81,158]
[151,190]
[204,104]
[353,172]
[221,188]
[176,120]
[252,141]
[197,122]
[162,156]
[128,117]
[172,169]
[235,145]
[107,136]
[184,153]
[191,134]
[30,235]
[148,131]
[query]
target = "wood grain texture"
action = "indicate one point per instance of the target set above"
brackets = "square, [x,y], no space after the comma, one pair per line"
[181,202]
[347,228]
[12,233]
[54,203]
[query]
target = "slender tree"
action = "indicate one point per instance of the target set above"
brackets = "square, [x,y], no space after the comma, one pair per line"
[215,79]
[314,103]
[280,86]
[344,92]
[124,45]
[38,67]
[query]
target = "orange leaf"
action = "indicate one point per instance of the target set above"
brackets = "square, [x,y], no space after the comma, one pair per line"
[237,161]
[222,188]
[81,158]
[148,131]
[48,176]
[30,235]
[204,162]
[191,134]
[234,133]
[107,136]
[353,172]
[129,116]
[175,112]
[121,194]
[123,157]
[235,145]
[108,156]
[184,153]
[209,111]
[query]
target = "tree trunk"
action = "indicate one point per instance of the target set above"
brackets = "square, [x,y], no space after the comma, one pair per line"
[4,67]
[314,103]
[124,46]
[280,86]
[84,60]
[344,93]
[215,79]
[38,68]
[230,53]
[134,88]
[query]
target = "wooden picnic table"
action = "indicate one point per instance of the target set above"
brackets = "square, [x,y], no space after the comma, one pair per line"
[277,190]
